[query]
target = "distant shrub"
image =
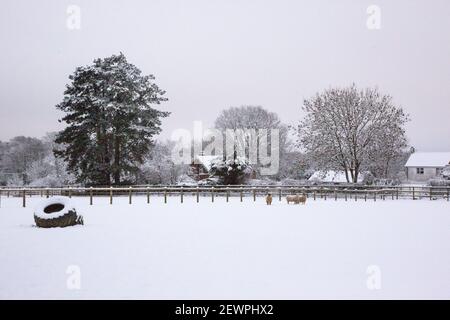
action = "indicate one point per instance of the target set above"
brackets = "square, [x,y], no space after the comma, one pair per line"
[292,182]
[446,172]
[439,183]
[231,171]
[386,182]
[262,182]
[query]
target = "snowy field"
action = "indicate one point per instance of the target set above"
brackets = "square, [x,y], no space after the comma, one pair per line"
[229,250]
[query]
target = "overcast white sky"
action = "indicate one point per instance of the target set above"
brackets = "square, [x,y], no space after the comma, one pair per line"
[209,55]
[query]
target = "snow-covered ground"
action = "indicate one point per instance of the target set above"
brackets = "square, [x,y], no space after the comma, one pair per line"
[248,250]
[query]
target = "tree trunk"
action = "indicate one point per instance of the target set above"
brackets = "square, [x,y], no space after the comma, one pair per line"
[117,161]
[346,175]
[107,164]
[356,175]
[352,173]
[386,169]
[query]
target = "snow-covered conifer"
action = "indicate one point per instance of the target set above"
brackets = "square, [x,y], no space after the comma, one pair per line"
[110,119]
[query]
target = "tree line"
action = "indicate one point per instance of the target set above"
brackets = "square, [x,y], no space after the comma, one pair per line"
[112,118]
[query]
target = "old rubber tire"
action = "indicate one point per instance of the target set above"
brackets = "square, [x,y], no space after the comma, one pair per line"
[56,212]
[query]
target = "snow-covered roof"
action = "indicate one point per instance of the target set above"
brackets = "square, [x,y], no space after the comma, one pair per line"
[332,176]
[206,161]
[428,159]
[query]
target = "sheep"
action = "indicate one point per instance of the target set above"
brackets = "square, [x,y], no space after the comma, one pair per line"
[269,199]
[296,199]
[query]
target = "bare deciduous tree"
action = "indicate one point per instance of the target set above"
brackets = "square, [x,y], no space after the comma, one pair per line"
[351,130]
[254,118]
[158,167]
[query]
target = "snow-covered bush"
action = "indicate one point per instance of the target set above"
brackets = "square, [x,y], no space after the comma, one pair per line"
[185,180]
[31,162]
[368,179]
[209,181]
[49,172]
[15,181]
[439,182]
[158,167]
[386,182]
[292,182]
[231,171]
[446,172]
[401,177]
[262,182]
[443,180]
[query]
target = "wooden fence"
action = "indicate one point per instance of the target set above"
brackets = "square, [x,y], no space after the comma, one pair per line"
[325,192]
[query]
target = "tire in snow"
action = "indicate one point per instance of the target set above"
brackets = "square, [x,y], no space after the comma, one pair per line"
[56,212]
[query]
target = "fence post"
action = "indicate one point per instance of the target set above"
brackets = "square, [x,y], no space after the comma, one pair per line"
[24,198]
[181,194]
[228,194]
[90,196]
[413,193]
[212,194]
[365,196]
[375,196]
[335,194]
[129,195]
[431,190]
[254,194]
[241,194]
[448,193]
[197,194]
[148,194]
[165,194]
[46,193]
[279,194]
[314,194]
[356,195]
[70,192]
[396,191]
[111,195]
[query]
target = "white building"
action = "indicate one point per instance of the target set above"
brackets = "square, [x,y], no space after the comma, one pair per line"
[422,166]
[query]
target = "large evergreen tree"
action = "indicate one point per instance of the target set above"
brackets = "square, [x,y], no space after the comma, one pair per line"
[110,120]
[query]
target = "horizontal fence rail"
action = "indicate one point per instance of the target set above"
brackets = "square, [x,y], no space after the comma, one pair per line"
[325,192]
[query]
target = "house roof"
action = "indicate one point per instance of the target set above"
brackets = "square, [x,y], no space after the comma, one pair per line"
[428,159]
[206,161]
